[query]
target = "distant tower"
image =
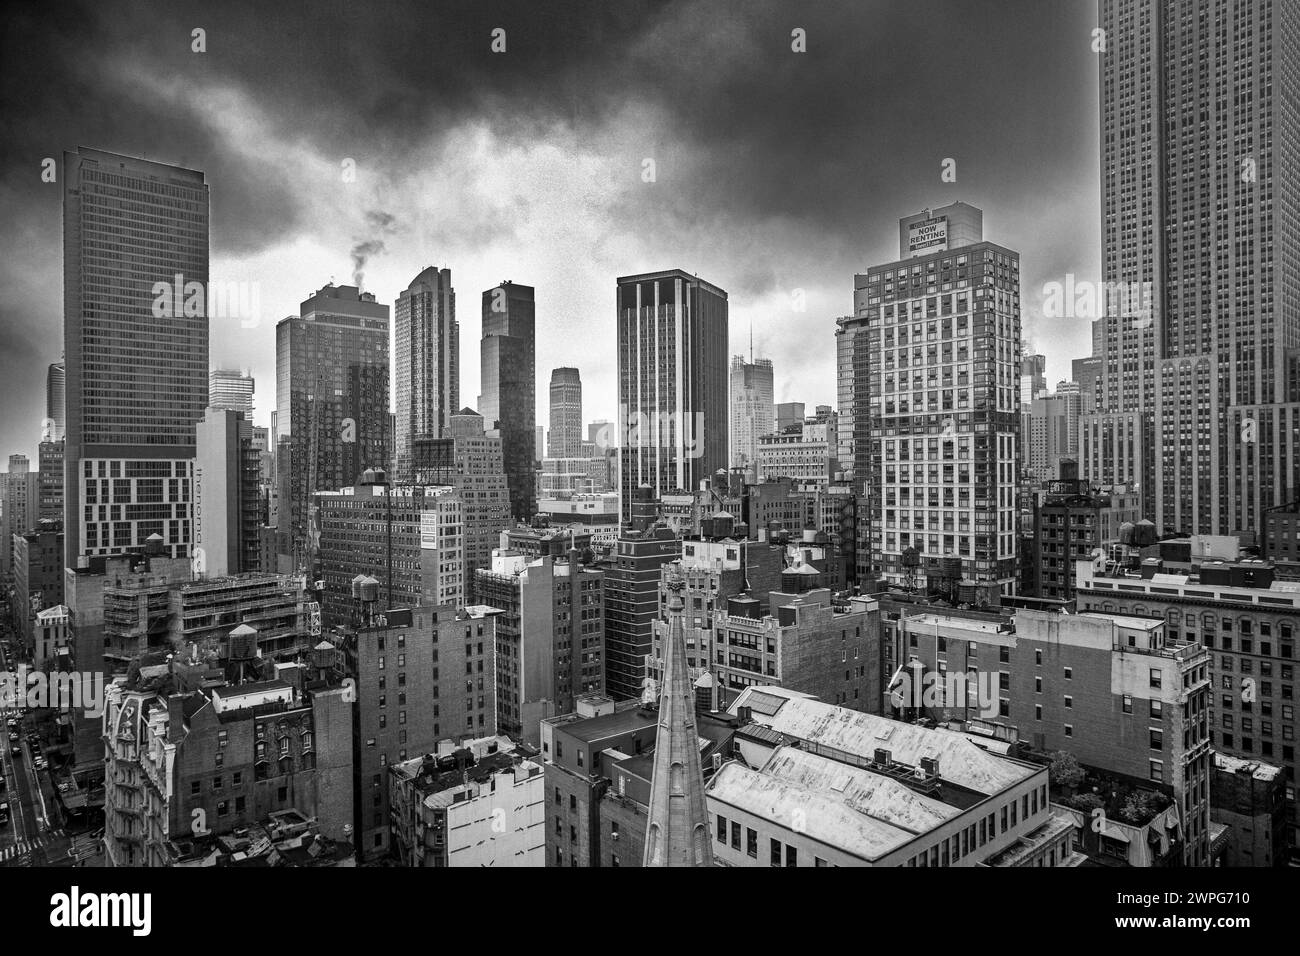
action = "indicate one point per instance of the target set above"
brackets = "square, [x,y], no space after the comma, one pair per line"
[230,389]
[426,349]
[677,832]
[508,402]
[565,438]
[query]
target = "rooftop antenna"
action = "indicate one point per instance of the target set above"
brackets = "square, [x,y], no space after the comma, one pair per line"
[751,340]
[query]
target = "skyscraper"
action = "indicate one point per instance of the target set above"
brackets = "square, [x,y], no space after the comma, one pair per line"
[935,360]
[426,359]
[1033,378]
[471,461]
[19,507]
[508,402]
[135,335]
[752,413]
[332,415]
[228,514]
[672,383]
[1200,343]
[231,389]
[55,388]
[565,438]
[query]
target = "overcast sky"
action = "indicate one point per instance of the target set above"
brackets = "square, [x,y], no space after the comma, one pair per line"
[775,171]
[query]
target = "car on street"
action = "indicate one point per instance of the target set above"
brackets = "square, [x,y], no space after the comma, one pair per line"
[4,814]
[16,749]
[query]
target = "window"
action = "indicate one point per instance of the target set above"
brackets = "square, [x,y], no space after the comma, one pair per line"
[722,829]
[791,856]
[751,843]
[735,835]
[774,855]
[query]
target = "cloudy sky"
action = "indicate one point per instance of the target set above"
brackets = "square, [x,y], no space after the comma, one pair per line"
[775,171]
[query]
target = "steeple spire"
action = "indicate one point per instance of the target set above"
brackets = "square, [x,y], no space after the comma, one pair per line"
[678,830]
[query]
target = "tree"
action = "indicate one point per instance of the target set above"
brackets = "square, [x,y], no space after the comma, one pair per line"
[1085,803]
[1064,771]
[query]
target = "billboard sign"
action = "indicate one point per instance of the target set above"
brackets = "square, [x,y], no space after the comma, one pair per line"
[928,235]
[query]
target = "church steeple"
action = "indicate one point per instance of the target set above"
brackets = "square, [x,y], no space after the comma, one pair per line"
[678,830]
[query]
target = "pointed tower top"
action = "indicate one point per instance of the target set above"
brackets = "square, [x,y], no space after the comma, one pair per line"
[677,832]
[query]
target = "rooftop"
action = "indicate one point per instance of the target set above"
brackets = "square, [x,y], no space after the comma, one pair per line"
[856,735]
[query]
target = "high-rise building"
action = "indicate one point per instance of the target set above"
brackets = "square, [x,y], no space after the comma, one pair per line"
[135,334]
[332,416]
[550,636]
[632,602]
[1200,340]
[38,576]
[423,676]
[508,402]
[50,480]
[565,437]
[409,538]
[471,461]
[672,383]
[55,402]
[934,357]
[1046,434]
[1247,622]
[426,356]
[1033,378]
[19,507]
[789,415]
[752,412]
[1086,372]
[228,503]
[231,389]
[1070,523]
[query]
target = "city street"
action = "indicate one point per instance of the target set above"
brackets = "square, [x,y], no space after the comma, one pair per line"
[28,838]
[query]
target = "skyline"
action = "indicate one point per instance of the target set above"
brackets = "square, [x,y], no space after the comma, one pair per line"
[729,201]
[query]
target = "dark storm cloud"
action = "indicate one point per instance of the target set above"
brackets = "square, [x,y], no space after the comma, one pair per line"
[753,143]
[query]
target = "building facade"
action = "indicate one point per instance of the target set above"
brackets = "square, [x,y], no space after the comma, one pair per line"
[135,349]
[426,360]
[752,413]
[508,377]
[942,410]
[410,538]
[672,381]
[332,419]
